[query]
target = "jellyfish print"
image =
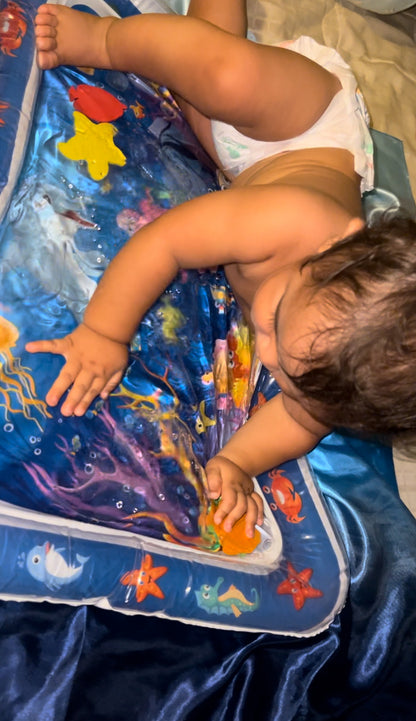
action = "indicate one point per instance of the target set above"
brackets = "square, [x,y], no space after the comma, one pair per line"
[17,387]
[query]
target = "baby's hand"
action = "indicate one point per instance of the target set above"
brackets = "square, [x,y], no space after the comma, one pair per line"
[94,366]
[238,497]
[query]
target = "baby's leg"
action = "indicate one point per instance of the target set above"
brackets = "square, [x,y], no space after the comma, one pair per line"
[266,92]
[68,37]
[228,15]
[232,17]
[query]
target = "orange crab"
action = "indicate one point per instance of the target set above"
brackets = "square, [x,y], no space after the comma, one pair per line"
[12,28]
[284,496]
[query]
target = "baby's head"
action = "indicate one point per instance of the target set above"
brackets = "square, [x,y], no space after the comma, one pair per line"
[358,368]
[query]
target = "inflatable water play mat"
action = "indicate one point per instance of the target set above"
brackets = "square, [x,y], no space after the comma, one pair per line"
[111,509]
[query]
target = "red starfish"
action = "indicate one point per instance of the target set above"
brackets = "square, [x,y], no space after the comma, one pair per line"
[297,584]
[144,579]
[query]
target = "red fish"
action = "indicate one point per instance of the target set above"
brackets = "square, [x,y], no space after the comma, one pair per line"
[96,103]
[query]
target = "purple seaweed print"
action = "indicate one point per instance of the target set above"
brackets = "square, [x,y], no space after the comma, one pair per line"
[113,480]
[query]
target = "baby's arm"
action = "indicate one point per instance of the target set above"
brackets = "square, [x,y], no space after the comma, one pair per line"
[214,229]
[203,232]
[96,352]
[268,439]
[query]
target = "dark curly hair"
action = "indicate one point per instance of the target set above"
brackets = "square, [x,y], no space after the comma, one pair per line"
[363,377]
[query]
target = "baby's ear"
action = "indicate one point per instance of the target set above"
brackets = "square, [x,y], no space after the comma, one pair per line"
[352,227]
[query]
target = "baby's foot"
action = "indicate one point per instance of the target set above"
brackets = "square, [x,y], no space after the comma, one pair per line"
[70,37]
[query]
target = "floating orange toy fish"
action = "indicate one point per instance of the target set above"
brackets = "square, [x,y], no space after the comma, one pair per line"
[96,103]
[234,542]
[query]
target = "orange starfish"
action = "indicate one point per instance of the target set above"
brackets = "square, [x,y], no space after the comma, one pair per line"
[298,586]
[144,579]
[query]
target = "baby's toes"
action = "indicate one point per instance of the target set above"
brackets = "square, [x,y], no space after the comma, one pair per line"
[47,60]
[45,32]
[45,16]
[45,45]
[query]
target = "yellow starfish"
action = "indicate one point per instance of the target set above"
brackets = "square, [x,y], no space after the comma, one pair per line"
[93,143]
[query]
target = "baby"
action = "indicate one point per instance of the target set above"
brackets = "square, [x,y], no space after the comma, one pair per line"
[320,288]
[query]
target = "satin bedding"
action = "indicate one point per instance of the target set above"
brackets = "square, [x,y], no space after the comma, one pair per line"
[64,664]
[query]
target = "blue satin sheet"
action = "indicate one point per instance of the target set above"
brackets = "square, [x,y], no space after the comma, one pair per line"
[109,512]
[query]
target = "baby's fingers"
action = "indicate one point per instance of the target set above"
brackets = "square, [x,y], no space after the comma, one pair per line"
[254,514]
[233,505]
[111,384]
[86,387]
[64,381]
[214,480]
[56,346]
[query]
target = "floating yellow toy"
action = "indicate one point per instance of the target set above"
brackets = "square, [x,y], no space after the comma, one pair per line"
[94,144]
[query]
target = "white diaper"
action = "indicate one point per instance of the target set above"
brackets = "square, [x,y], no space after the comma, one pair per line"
[344,123]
